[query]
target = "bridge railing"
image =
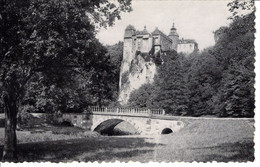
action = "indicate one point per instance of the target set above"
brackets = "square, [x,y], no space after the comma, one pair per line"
[158,112]
[126,111]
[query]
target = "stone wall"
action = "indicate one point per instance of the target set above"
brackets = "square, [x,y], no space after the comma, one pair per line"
[84,121]
[165,43]
[186,48]
[147,44]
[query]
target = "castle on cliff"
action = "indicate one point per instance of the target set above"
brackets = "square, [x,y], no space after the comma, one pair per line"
[144,41]
[135,71]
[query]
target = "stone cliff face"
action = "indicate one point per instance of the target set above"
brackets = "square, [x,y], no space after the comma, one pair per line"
[136,70]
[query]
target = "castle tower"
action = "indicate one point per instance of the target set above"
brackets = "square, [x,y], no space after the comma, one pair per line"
[174,37]
[129,31]
[129,50]
[129,40]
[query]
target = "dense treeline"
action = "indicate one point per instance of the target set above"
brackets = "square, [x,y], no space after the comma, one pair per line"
[217,81]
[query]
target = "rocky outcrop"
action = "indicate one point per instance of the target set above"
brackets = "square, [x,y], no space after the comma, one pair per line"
[135,71]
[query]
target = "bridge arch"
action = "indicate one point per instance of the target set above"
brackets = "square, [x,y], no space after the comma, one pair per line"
[109,123]
[166,131]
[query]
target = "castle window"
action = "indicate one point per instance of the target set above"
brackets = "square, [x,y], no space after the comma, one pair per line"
[156,40]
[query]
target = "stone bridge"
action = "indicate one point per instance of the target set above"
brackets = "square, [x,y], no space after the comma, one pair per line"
[145,121]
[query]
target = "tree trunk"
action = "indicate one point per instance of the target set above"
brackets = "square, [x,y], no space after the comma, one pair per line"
[10,142]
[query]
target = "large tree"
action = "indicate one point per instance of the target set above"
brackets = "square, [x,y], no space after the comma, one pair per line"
[54,39]
[235,50]
[203,79]
[171,92]
[142,97]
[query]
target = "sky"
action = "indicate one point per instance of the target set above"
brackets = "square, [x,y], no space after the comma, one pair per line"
[193,19]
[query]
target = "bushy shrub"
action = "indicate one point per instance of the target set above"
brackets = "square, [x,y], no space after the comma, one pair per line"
[54,118]
[24,119]
[66,123]
[137,52]
[182,110]
[157,59]
[146,56]
[141,97]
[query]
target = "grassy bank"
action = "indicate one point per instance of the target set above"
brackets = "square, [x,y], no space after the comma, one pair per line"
[88,149]
[38,129]
[200,140]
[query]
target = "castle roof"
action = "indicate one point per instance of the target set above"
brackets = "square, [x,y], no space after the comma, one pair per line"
[173,31]
[173,27]
[158,32]
[144,32]
[129,31]
[141,33]
[130,27]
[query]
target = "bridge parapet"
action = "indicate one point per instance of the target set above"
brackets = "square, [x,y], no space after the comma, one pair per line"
[126,111]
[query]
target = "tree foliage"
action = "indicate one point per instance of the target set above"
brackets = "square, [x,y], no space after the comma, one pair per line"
[239,8]
[49,49]
[237,57]
[170,88]
[115,52]
[142,97]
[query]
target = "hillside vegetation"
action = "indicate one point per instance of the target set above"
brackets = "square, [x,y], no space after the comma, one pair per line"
[218,81]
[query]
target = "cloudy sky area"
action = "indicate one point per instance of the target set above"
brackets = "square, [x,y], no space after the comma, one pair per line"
[193,19]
